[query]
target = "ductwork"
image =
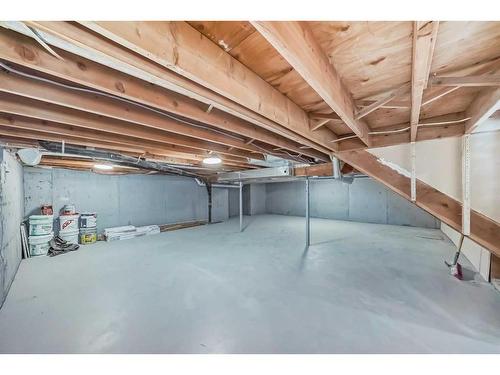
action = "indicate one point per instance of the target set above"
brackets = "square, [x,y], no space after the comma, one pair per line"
[115,158]
[337,172]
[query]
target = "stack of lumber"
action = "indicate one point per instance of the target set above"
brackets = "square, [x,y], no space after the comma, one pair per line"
[129,231]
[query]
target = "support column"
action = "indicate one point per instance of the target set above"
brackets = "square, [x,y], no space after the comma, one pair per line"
[241,206]
[308,226]
[466,184]
[413,188]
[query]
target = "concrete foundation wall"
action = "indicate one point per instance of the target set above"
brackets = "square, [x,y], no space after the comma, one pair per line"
[257,199]
[364,200]
[122,200]
[11,215]
[234,202]
[220,204]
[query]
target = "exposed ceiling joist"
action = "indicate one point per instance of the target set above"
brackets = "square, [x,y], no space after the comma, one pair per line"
[78,71]
[445,126]
[26,123]
[295,42]
[469,81]
[10,104]
[316,124]
[108,107]
[190,54]
[84,43]
[424,40]
[110,143]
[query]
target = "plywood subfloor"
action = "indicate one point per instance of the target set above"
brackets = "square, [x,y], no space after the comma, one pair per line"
[361,288]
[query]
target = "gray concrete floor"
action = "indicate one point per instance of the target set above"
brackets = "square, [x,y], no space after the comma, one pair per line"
[360,288]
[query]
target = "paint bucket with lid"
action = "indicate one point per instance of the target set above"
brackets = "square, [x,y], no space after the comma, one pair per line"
[68,223]
[88,220]
[40,225]
[69,209]
[70,236]
[88,236]
[39,245]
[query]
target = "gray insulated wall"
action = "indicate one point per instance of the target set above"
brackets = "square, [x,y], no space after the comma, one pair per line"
[123,200]
[364,200]
[11,215]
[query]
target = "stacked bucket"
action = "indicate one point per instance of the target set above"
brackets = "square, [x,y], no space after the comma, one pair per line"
[88,228]
[68,224]
[73,228]
[40,234]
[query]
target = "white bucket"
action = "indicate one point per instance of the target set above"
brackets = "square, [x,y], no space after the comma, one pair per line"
[88,220]
[70,236]
[69,209]
[40,225]
[39,245]
[68,223]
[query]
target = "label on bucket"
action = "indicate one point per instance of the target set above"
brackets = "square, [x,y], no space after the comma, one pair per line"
[88,237]
[68,222]
[40,225]
[88,220]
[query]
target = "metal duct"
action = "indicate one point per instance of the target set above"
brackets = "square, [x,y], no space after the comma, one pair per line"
[256,174]
[118,159]
[337,173]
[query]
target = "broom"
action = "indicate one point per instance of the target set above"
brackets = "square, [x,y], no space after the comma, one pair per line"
[455,267]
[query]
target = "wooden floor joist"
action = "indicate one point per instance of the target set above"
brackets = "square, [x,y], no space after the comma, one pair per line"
[87,44]
[119,145]
[111,108]
[424,41]
[192,55]
[9,104]
[295,42]
[25,52]
[62,130]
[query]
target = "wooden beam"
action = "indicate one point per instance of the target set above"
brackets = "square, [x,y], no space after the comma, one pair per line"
[74,161]
[324,116]
[316,124]
[424,40]
[296,43]
[58,132]
[483,106]
[104,144]
[23,51]
[393,104]
[445,126]
[325,169]
[11,104]
[470,81]
[108,107]
[486,67]
[190,54]
[87,44]
[26,123]
[431,97]
[484,230]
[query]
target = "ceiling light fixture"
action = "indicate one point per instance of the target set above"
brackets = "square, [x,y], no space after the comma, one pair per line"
[104,167]
[212,160]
